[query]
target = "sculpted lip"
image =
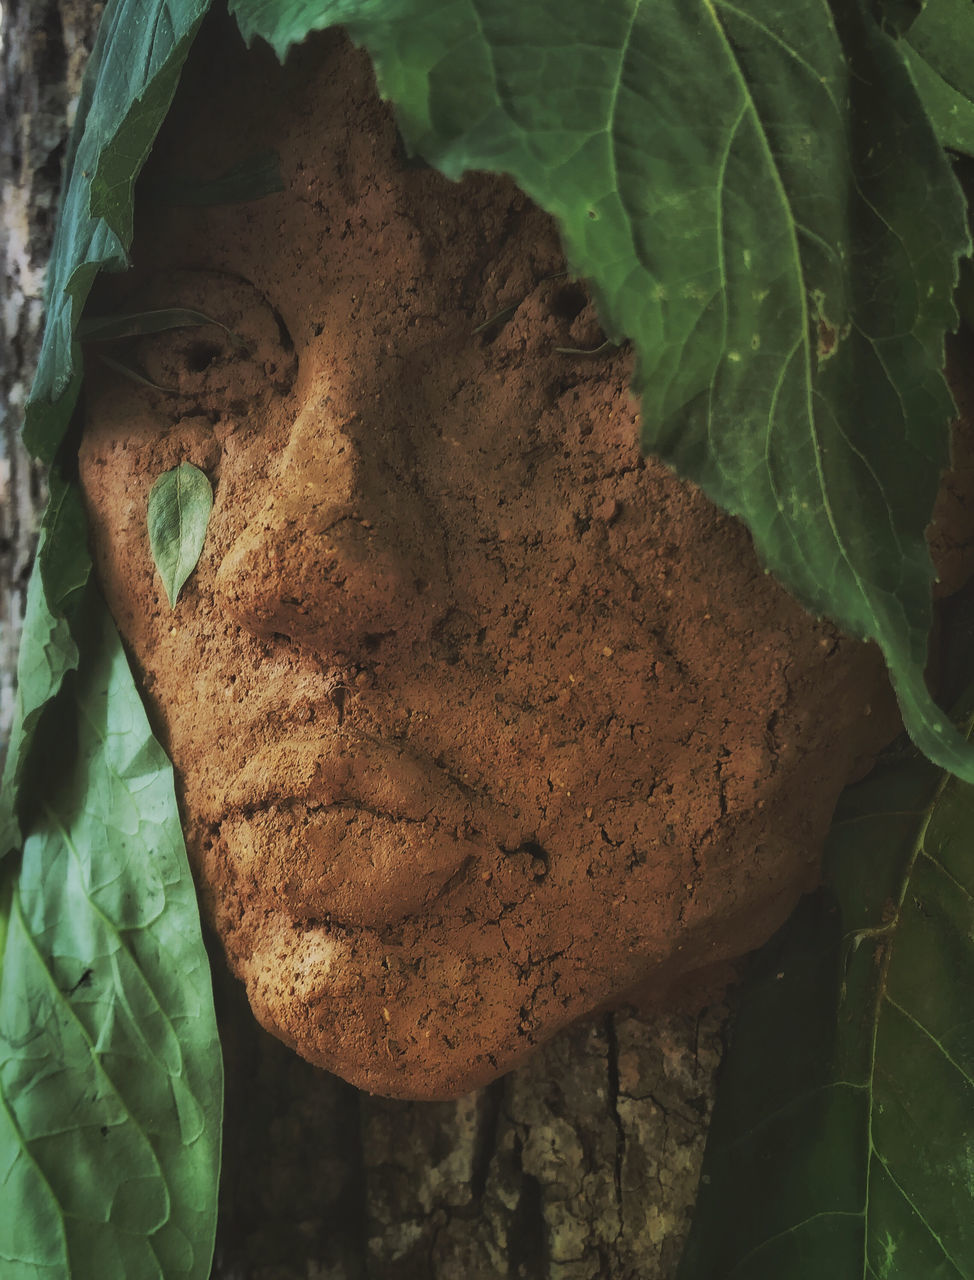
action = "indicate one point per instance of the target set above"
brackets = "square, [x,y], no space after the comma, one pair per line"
[385,832]
[337,770]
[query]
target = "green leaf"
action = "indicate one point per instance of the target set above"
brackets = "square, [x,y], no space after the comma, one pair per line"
[951,113]
[136,324]
[47,651]
[965,293]
[897,16]
[761,205]
[179,511]
[252,179]
[128,87]
[110,1068]
[940,52]
[944,35]
[136,375]
[841,1138]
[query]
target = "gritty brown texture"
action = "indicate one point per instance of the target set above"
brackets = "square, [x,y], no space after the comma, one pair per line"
[479,719]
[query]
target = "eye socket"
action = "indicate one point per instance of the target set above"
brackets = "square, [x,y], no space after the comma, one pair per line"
[239,360]
[201,355]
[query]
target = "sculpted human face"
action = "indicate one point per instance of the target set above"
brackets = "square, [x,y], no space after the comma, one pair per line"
[478,720]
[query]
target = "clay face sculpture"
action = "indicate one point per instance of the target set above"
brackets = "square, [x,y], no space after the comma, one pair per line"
[478,719]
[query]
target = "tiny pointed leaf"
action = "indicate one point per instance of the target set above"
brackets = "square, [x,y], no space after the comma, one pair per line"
[179,511]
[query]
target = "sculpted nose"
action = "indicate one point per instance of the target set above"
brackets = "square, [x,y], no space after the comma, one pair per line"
[340,554]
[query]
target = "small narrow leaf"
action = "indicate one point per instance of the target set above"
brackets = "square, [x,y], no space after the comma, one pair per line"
[252,179]
[132,374]
[138,324]
[179,511]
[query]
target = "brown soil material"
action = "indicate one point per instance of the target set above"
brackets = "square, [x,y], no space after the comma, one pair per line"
[479,719]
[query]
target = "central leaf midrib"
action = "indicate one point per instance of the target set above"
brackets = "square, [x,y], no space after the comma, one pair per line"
[610,124]
[792,222]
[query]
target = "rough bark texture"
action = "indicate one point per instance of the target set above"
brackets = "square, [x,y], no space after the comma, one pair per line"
[581,1164]
[45,43]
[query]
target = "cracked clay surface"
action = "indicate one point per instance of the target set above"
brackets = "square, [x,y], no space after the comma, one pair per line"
[479,720]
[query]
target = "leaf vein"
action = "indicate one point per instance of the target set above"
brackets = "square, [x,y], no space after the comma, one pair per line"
[939,866]
[895,1004]
[916,1212]
[788,1231]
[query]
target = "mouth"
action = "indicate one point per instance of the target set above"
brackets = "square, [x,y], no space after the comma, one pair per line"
[349,828]
[342,770]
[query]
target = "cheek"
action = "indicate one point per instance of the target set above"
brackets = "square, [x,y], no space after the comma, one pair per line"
[228,387]
[122,454]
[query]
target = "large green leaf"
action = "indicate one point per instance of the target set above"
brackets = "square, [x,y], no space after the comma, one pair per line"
[110,1070]
[128,87]
[762,207]
[47,650]
[841,1142]
[940,51]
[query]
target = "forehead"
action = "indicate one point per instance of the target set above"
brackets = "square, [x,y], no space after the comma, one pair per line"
[358,229]
[450,300]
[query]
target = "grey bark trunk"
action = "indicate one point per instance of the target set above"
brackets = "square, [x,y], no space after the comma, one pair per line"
[583,1164]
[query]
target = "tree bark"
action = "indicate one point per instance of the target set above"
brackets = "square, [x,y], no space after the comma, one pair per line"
[581,1165]
[44,46]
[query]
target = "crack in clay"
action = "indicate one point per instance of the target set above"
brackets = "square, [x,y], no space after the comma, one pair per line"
[316,809]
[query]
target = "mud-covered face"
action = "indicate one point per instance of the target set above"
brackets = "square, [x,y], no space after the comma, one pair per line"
[477,720]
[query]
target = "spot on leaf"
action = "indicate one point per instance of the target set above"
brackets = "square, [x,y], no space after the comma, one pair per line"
[828,334]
